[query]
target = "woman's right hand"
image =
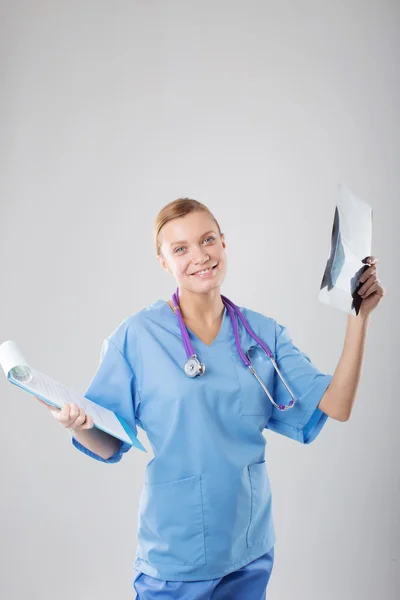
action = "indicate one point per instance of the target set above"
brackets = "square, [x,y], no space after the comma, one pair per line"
[71,416]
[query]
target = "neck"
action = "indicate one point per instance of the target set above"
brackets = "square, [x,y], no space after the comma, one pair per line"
[201,308]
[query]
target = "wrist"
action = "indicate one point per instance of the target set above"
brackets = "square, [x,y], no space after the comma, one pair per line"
[359,320]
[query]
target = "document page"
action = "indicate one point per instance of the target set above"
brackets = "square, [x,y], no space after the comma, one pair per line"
[46,388]
[54,393]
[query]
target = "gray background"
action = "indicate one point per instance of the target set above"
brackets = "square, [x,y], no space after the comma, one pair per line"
[258,109]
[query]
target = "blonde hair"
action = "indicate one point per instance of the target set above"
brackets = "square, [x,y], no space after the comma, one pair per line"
[175,209]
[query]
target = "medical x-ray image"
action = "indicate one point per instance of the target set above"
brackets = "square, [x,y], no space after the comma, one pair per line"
[350,245]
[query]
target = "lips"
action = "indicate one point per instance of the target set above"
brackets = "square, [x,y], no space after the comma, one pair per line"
[205,268]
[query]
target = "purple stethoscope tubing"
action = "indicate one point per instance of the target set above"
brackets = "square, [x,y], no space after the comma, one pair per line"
[198,368]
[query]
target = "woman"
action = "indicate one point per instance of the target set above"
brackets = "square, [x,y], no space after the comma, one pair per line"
[205,522]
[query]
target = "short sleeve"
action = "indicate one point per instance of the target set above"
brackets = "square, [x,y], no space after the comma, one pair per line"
[114,387]
[308,384]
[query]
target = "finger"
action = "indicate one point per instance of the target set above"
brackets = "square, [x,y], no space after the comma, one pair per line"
[370,260]
[50,406]
[79,419]
[367,273]
[88,423]
[74,413]
[69,414]
[375,287]
[64,414]
[366,287]
[370,281]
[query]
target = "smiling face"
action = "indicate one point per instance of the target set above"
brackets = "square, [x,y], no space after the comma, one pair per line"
[189,246]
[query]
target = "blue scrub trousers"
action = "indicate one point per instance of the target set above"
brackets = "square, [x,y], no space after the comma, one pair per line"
[248,583]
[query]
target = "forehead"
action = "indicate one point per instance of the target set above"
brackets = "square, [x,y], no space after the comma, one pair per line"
[191,226]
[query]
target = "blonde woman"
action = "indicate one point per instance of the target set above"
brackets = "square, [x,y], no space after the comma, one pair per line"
[181,370]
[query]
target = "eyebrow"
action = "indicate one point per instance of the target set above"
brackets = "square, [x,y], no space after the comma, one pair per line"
[185,241]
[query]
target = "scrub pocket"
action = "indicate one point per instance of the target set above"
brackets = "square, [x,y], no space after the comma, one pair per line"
[260,493]
[171,522]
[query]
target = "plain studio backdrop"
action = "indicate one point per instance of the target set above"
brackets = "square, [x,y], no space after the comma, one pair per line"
[258,109]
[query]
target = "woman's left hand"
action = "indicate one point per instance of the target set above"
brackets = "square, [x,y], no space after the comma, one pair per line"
[371,290]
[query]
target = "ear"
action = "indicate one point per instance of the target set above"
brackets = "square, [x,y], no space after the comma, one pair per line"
[223,240]
[163,263]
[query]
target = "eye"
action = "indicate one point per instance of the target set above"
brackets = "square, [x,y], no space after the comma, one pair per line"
[177,250]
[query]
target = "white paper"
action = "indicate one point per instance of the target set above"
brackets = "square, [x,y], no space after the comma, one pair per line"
[350,244]
[55,393]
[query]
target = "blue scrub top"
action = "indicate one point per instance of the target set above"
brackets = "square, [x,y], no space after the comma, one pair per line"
[205,509]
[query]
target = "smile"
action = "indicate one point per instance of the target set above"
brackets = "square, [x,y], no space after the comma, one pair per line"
[205,271]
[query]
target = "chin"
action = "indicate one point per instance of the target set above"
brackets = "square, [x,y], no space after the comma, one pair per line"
[208,286]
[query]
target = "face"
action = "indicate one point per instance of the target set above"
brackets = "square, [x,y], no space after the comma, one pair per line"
[191,244]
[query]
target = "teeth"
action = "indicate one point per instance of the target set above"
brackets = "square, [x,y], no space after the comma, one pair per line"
[201,272]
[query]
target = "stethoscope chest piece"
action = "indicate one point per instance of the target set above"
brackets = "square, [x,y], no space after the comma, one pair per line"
[194,367]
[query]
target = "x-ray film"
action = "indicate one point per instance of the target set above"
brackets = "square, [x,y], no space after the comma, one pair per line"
[350,246]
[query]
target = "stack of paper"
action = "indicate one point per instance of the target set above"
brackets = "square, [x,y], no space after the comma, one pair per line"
[56,394]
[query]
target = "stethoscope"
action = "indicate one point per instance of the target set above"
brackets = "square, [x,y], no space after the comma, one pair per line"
[194,366]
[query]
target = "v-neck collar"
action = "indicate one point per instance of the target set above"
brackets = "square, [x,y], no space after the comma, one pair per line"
[221,336]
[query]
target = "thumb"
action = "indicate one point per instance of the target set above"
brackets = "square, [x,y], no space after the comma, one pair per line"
[53,409]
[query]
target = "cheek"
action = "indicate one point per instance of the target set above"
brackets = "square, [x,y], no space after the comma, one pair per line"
[223,270]
[181,268]
[222,263]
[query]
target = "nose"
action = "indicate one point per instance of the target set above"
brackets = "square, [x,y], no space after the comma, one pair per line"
[199,257]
